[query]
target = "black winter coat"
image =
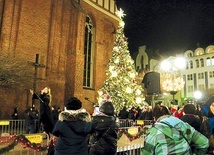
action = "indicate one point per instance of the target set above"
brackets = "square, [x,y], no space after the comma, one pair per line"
[45,116]
[192,120]
[72,130]
[103,140]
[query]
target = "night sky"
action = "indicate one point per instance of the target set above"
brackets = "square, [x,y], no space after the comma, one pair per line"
[170,26]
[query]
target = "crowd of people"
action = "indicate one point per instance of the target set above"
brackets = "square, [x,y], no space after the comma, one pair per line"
[80,134]
[184,130]
[77,132]
[144,113]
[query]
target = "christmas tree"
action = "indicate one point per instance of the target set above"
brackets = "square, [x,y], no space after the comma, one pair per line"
[121,84]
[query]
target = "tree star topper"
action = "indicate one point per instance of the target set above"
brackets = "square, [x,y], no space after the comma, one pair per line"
[120,13]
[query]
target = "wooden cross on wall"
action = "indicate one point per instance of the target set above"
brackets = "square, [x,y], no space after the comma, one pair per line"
[36,66]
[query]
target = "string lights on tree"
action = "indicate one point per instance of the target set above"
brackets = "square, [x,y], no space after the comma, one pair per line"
[121,82]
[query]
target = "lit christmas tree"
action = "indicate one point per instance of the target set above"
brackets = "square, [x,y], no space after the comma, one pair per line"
[121,84]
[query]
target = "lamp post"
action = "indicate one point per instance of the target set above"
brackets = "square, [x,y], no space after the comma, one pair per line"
[173,82]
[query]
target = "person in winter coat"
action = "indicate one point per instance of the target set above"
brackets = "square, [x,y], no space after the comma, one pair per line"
[30,118]
[15,113]
[123,114]
[208,109]
[45,115]
[72,129]
[170,135]
[103,140]
[190,116]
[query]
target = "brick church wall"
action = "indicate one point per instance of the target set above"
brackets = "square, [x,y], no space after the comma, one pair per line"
[55,30]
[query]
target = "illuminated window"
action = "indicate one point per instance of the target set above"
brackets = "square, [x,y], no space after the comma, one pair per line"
[212,61]
[208,61]
[88,53]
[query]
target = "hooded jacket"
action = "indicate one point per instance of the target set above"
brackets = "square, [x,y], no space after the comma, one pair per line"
[72,130]
[103,138]
[167,137]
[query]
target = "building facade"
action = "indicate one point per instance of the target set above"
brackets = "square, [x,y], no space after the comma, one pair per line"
[73,39]
[199,71]
[198,75]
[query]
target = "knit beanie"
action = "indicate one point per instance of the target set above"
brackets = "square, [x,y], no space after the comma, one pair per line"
[107,108]
[73,103]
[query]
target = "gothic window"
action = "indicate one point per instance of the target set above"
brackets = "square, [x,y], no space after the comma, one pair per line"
[88,53]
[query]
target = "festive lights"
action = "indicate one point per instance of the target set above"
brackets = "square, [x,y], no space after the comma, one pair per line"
[173,83]
[25,143]
[121,84]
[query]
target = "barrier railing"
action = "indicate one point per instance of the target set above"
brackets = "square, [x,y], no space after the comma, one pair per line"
[9,128]
[130,122]
[29,144]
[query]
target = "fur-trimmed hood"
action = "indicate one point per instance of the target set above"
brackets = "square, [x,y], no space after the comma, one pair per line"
[68,116]
[77,122]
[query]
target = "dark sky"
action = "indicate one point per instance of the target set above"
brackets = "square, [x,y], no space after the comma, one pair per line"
[172,26]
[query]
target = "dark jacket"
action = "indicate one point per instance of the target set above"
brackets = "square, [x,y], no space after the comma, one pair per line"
[72,130]
[192,120]
[103,140]
[45,117]
[15,113]
[123,114]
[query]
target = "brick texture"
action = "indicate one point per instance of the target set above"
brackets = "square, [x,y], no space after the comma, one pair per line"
[55,30]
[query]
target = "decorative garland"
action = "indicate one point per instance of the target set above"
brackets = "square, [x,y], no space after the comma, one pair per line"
[24,141]
[37,147]
[141,130]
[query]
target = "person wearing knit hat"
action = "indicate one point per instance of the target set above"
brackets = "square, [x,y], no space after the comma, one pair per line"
[72,128]
[103,138]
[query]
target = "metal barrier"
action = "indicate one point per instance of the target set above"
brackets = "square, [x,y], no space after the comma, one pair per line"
[17,127]
[38,142]
[130,122]
[11,127]
[130,150]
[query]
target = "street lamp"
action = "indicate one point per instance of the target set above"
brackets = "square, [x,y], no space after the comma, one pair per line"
[172,82]
[197,95]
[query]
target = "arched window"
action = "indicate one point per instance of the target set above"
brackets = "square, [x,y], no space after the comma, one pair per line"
[190,64]
[197,63]
[187,65]
[212,61]
[202,62]
[88,53]
[208,61]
